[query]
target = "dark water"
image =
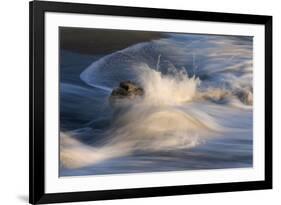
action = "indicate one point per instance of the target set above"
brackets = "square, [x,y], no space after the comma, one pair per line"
[196,112]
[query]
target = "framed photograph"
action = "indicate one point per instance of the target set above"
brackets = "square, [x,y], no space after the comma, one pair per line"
[130,102]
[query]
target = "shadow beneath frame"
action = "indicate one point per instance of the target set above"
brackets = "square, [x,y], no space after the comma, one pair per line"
[23,198]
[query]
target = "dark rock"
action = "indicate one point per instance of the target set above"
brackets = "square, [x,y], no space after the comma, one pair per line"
[245,96]
[127,89]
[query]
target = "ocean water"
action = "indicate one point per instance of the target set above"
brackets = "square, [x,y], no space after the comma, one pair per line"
[196,112]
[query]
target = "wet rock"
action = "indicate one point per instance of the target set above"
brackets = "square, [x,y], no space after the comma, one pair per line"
[127,89]
[245,96]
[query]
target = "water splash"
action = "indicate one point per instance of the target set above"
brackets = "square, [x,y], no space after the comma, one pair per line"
[165,119]
[186,97]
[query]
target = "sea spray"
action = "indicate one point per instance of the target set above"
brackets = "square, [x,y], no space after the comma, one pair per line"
[173,88]
[189,100]
[165,119]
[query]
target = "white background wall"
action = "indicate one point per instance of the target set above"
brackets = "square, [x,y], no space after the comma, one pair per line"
[14,100]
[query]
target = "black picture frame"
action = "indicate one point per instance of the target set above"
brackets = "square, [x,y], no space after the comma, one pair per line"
[37,194]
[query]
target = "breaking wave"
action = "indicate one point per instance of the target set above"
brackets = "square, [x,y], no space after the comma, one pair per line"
[185,89]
